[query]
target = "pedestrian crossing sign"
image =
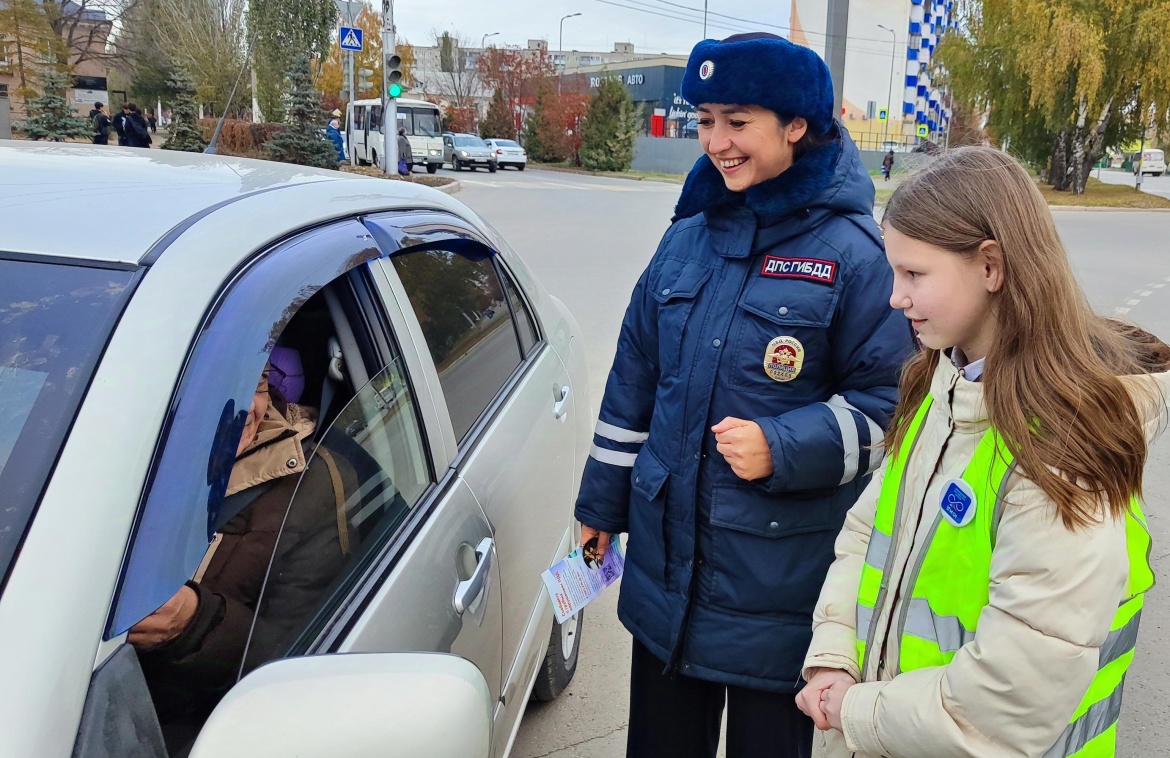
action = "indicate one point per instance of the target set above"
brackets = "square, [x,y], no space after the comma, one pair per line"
[351,38]
[923,130]
[882,114]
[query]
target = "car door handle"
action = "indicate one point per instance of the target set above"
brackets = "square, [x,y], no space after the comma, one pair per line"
[466,593]
[561,406]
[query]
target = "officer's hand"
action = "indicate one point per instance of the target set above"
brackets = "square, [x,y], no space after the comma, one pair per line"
[809,699]
[588,533]
[743,445]
[168,622]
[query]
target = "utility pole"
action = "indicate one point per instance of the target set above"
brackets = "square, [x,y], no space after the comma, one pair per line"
[704,19]
[890,92]
[836,37]
[389,104]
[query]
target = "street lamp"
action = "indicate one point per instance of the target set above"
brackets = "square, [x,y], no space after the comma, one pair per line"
[890,91]
[561,41]
[483,42]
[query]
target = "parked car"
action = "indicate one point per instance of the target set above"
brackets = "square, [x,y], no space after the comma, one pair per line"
[467,151]
[127,371]
[508,153]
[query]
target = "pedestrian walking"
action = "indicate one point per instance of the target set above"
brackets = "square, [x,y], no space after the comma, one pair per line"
[101,124]
[988,584]
[152,121]
[888,165]
[333,131]
[404,153]
[756,367]
[120,121]
[137,130]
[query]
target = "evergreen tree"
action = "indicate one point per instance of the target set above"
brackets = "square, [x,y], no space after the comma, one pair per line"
[282,31]
[610,129]
[498,122]
[301,141]
[544,134]
[50,116]
[185,132]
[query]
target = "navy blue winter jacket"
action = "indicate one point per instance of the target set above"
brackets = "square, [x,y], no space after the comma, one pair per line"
[770,305]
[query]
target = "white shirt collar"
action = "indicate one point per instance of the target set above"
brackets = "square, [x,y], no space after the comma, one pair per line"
[971,371]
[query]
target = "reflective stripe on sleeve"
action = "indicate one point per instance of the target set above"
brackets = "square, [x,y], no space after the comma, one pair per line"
[617,434]
[612,457]
[877,452]
[849,441]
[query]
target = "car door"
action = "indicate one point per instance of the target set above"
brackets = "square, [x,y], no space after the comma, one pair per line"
[387,496]
[509,401]
[448,150]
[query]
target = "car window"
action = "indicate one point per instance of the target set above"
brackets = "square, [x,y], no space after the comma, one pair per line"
[426,122]
[464,316]
[368,471]
[469,142]
[55,320]
[525,326]
[506,143]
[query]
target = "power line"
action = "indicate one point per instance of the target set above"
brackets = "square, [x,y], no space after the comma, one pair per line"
[771,26]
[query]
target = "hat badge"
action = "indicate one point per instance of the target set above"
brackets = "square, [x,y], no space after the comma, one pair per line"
[706,70]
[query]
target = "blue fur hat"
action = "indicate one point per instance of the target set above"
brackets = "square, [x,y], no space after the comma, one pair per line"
[765,70]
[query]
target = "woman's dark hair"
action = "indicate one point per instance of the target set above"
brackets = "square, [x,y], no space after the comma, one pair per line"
[810,140]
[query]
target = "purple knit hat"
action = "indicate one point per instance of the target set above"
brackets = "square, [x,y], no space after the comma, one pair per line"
[287,374]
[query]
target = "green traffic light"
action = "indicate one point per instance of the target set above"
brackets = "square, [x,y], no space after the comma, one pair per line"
[396,90]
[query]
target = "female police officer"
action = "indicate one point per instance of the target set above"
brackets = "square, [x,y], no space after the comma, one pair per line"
[757,364]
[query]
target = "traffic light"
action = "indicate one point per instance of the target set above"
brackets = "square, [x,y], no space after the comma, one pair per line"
[364,82]
[394,88]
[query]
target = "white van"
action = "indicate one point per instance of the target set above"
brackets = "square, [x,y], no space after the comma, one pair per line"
[363,130]
[1151,161]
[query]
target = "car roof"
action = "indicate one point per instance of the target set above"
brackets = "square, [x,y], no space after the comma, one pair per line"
[115,205]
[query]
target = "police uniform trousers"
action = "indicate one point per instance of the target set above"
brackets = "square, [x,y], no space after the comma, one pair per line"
[676,716]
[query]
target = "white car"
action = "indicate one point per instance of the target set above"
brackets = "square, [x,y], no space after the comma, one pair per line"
[508,153]
[130,347]
[1149,161]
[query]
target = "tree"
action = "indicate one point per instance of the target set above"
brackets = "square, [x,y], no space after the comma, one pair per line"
[302,142]
[610,129]
[544,130]
[1062,80]
[499,121]
[27,33]
[515,73]
[459,81]
[50,116]
[82,28]
[332,77]
[185,132]
[283,31]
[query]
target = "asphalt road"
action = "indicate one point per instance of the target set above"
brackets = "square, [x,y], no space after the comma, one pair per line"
[588,239]
[1155,185]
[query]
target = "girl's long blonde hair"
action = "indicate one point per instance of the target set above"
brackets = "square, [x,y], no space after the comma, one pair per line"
[1051,378]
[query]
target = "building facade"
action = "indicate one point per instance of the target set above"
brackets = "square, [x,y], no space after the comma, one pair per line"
[889,65]
[655,84]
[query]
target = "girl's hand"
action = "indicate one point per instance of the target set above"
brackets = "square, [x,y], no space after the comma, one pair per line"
[831,701]
[743,445]
[809,699]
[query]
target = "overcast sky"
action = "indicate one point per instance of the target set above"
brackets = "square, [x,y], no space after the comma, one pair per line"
[597,29]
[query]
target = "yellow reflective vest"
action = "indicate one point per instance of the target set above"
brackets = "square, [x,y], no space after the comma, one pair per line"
[951,581]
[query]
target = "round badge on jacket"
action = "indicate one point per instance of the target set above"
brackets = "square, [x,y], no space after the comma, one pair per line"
[784,359]
[706,70]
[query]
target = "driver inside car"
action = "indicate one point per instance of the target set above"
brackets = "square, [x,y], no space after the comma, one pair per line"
[192,647]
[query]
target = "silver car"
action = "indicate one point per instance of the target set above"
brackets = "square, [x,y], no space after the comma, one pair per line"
[468,151]
[141,294]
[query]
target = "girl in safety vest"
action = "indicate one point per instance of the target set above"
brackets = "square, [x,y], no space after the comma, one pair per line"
[988,584]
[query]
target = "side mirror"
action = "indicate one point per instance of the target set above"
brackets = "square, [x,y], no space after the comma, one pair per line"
[423,705]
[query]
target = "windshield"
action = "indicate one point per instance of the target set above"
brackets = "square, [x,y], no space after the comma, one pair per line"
[469,142]
[54,323]
[418,122]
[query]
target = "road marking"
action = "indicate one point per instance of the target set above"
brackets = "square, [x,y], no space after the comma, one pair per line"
[1133,302]
[1160,285]
[1121,311]
[1145,293]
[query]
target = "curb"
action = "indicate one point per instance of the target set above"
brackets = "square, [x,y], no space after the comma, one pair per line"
[451,188]
[1094,209]
[583,172]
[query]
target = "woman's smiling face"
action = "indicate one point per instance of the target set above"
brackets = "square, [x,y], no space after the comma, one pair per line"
[747,143]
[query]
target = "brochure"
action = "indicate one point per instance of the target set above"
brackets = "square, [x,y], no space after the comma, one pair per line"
[572,584]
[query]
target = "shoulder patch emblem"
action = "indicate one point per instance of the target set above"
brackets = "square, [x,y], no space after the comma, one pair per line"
[812,269]
[784,359]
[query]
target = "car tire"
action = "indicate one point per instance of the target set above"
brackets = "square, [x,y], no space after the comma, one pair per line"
[520,167]
[432,168]
[471,167]
[560,663]
[492,168]
[374,159]
[455,164]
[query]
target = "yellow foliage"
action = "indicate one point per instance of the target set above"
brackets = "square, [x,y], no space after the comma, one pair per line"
[330,79]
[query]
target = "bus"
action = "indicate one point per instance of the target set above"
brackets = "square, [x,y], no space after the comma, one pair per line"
[363,131]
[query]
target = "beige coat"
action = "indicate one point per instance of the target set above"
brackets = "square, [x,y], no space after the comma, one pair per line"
[1012,690]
